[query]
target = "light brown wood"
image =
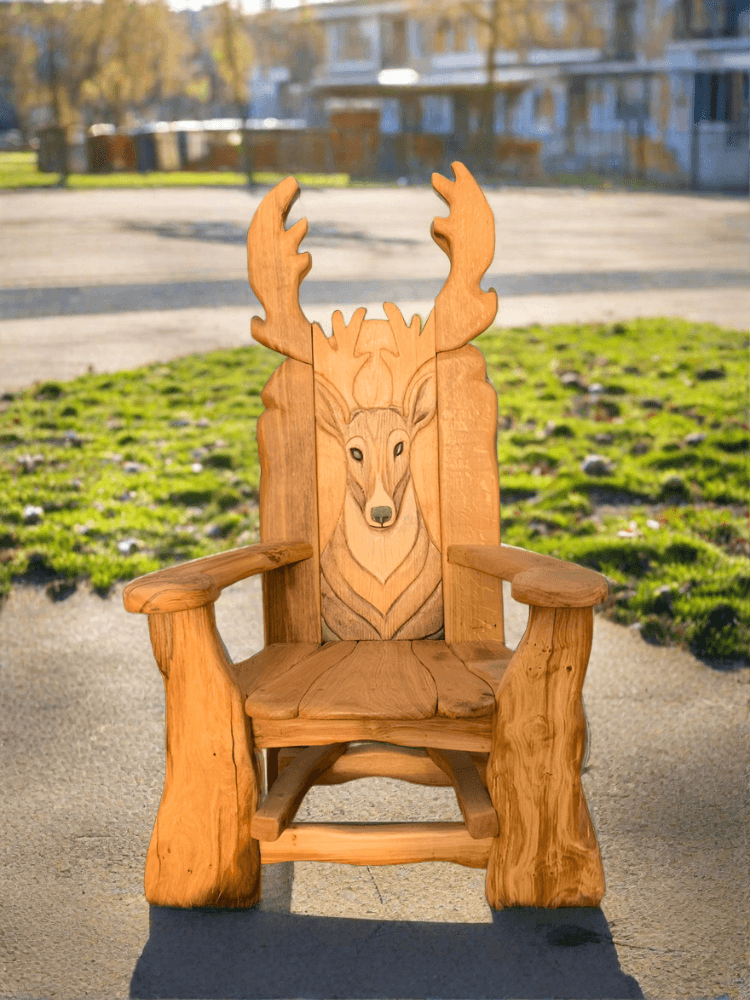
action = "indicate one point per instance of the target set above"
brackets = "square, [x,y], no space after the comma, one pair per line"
[474,735]
[546,854]
[461,693]
[193,584]
[201,851]
[275,271]
[377,844]
[473,801]
[284,797]
[535,579]
[378,680]
[488,660]
[278,694]
[272,661]
[377,760]
[469,492]
[289,503]
[377,470]
[467,236]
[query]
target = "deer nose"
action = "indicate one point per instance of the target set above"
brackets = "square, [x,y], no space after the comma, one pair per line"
[381,514]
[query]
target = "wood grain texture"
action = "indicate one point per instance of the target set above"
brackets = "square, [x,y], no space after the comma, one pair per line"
[193,584]
[278,694]
[462,310]
[201,851]
[469,492]
[275,271]
[546,854]
[289,502]
[378,680]
[378,844]
[461,693]
[270,662]
[377,760]
[473,801]
[540,580]
[283,800]
[488,660]
[474,735]
[377,479]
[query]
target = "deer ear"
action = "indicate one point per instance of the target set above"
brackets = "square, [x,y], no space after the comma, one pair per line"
[420,398]
[331,412]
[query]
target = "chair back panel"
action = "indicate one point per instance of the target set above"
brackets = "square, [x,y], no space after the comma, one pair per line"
[289,502]
[378,491]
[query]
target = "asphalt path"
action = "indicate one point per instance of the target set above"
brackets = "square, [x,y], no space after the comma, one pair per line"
[113,279]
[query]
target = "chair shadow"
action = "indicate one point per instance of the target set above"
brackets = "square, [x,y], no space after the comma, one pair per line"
[270,953]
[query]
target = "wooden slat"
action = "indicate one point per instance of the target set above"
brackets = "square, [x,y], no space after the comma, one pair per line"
[474,735]
[193,584]
[473,800]
[289,502]
[377,844]
[461,693]
[283,800]
[278,694]
[488,660]
[270,661]
[379,680]
[469,492]
[377,760]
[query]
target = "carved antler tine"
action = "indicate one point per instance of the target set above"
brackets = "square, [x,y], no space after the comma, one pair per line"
[467,235]
[276,270]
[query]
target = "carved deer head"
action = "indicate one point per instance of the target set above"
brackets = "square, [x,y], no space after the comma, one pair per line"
[377,444]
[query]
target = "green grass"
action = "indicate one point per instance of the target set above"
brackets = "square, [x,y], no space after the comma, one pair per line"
[162,462]
[19,170]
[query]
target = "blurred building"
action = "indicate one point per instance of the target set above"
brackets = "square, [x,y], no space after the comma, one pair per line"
[649,89]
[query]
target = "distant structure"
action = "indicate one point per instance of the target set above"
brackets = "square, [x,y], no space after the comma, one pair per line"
[649,89]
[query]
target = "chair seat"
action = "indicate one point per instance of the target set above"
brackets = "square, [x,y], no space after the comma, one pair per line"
[395,680]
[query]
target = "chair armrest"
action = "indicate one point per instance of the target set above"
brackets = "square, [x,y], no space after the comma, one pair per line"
[540,580]
[194,584]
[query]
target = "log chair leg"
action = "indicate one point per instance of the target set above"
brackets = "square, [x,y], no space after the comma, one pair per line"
[546,854]
[201,852]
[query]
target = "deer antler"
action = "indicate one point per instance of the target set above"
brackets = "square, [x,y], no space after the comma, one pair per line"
[462,310]
[276,271]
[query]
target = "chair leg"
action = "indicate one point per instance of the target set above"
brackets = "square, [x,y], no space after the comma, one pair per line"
[201,851]
[546,854]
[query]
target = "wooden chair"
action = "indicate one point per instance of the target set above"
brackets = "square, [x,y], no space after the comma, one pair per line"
[382,574]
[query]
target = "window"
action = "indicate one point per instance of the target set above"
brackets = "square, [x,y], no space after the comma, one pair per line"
[712,18]
[351,44]
[721,97]
[393,40]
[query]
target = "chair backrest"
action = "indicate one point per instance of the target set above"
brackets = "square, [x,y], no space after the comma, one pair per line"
[378,444]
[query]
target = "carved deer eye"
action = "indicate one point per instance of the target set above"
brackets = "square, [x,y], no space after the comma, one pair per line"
[356,454]
[398,449]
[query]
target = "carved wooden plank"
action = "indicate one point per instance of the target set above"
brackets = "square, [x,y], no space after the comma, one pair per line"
[474,735]
[546,853]
[469,492]
[193,584]
[461,694]
[288,503]
[378,680]
[284,797]
[374,760]
[278,695]
[269,662]
[467,236]
[201,851]
[473,801]
[377,479]
[377,844]
[488,660]
[275,271]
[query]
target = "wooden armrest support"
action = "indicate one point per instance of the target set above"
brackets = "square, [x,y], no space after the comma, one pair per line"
[194,584]
[535,579]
